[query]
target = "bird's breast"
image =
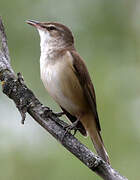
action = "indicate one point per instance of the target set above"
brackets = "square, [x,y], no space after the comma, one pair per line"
[62,84]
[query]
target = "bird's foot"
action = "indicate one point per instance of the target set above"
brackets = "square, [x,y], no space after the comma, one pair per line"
[59,114]
[71,127]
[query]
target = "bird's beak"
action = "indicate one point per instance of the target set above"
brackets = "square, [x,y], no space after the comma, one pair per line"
[36,24]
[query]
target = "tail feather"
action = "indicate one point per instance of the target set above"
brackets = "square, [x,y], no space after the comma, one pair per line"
[99,146]
[94,133]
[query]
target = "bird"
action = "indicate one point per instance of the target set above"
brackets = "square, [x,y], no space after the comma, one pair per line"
[67,80]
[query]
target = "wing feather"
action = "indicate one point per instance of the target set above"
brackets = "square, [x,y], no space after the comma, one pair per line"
[82,74]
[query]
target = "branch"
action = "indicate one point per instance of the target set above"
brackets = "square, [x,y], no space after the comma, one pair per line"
[15,88]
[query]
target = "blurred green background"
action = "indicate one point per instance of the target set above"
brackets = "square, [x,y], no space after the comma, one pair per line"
[107,36]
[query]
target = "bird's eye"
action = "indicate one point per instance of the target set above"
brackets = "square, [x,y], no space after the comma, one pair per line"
[50,28]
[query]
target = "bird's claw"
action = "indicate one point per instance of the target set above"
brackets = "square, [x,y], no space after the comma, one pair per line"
[59,114]
[69,128]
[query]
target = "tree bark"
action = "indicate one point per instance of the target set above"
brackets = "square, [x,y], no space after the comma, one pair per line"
[14,87]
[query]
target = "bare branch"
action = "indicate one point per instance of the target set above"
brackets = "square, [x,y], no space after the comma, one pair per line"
[4,51]
[26,101]
[4,46]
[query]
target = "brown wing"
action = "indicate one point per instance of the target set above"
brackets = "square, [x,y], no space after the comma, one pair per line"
[86,83]
[72,118]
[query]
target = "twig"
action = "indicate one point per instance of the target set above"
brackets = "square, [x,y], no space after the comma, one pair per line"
[15,88]
[4,46]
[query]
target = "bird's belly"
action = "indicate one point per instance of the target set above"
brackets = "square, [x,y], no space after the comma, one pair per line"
[63,85]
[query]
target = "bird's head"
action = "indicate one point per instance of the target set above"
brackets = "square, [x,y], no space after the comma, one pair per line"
[53,34]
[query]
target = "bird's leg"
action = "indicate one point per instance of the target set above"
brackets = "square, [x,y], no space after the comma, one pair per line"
[71,127]
[59,114]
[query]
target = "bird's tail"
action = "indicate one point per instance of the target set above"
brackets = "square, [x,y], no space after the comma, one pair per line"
[90,125]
